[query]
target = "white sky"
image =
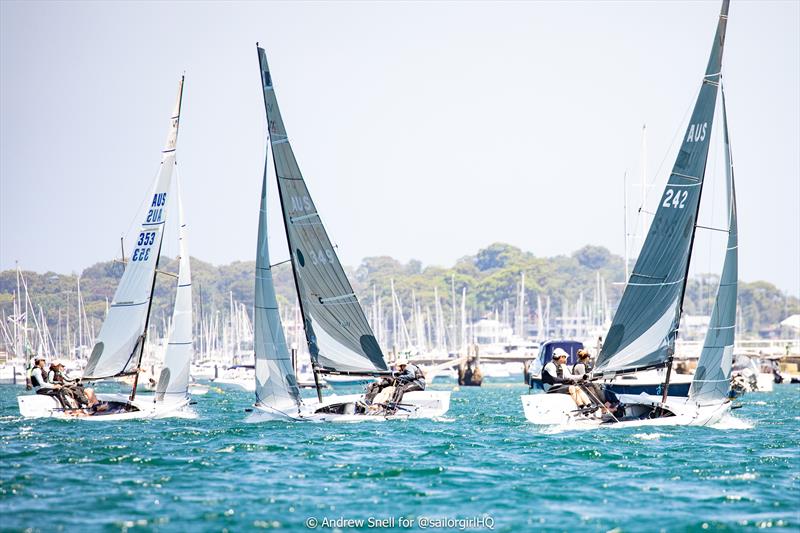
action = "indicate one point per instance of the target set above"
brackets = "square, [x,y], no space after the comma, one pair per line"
[424,130]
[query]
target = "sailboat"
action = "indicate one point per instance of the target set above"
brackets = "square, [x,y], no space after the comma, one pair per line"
[645,327]
[340,340]
[120,345]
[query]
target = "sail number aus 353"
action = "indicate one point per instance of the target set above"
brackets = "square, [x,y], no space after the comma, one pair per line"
[675,199]
[146,240]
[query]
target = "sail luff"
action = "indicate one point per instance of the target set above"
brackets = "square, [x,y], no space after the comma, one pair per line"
[338,333]
[645,325]
[711,382]
[117,349]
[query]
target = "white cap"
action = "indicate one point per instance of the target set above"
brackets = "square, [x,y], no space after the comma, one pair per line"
[401,361]
[559,352]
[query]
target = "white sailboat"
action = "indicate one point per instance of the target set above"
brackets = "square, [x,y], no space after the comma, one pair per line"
[340,340]
[120,345]
[643,333]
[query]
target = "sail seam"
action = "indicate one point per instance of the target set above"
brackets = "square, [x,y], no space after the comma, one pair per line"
[656,284]
[128,304]
[686,176]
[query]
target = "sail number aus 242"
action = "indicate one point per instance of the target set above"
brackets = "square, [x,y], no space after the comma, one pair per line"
[675,199]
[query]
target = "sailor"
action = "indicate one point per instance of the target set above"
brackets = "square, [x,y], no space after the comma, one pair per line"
[408,378]
[556,378]
[71,392]
[374,388]
[597,393]
[584,364]
[37,373]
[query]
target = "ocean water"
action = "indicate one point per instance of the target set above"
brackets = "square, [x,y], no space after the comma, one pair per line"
[483,467]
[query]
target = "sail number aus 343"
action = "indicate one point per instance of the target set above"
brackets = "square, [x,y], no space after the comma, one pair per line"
[675,199]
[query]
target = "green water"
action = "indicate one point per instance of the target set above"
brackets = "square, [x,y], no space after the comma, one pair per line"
[483,461]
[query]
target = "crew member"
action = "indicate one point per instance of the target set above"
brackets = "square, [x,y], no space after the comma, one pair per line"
[408,378]
[556,378]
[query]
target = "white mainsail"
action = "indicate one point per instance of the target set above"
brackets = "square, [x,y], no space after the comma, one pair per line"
[121,338]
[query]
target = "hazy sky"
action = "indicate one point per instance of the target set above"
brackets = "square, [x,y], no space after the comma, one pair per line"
[424,130]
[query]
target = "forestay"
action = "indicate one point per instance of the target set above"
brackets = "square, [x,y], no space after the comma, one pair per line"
[712,378]
[173,382]
[338,334]
[276,383]
[121,337]
[646,322]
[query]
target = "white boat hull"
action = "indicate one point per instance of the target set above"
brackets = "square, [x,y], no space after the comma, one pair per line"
[415,404]
[40,406]
[560,410]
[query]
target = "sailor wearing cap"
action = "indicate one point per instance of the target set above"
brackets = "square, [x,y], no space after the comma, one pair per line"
[556,378]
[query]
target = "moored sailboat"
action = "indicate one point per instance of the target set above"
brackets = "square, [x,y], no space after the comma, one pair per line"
[340,340]
[643,333]
[119,348]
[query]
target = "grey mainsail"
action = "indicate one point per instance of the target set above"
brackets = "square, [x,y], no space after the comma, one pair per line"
[338,334]
[643,332]
[276,383]
[121,339]
[712,378]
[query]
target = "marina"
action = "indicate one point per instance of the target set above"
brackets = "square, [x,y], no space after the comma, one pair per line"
[542,382]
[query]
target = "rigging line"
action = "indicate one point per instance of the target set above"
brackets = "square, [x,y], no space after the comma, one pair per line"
[678,130]
[698,226]
[279,263]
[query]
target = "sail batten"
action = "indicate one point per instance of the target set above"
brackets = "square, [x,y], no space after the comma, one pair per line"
[338,334]
[645,325]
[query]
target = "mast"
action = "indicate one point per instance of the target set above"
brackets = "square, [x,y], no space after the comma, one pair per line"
[143,336]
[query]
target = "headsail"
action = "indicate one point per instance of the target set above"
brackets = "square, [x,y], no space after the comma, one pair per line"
[645,325]
[339,336]
[276,383]
[173,383]
[713,375]
[122,336]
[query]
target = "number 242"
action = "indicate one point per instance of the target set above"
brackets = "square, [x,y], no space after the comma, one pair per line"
[676,200]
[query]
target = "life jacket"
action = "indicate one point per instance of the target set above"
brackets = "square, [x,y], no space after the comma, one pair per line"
[418,375]
[547,378]
[586,366]
[38,380]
